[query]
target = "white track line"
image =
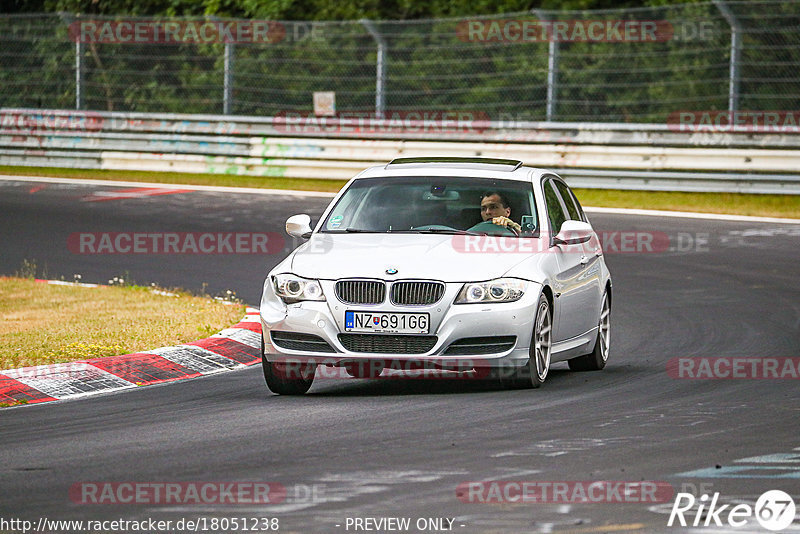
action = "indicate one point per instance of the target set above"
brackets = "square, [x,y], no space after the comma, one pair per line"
[692,215]
[318,194]
[210,188]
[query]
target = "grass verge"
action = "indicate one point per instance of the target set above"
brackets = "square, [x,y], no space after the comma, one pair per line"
[44,324]
[787,206]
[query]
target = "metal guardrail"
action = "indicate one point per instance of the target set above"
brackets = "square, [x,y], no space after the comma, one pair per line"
[35,121]
[618,156]
[679,181]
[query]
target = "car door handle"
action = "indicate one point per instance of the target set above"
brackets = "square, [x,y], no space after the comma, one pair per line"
[599,251]
[584,259]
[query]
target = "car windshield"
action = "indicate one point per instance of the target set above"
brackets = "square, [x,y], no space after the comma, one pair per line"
[430,204]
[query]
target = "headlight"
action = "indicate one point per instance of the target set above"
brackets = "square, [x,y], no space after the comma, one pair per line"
[499,290]
[293,288]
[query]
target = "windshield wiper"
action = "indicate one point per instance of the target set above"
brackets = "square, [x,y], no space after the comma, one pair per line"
[414,231]
[447,231]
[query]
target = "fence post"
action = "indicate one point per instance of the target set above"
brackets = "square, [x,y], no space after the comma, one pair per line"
[380,67]
[736,52]
[78,72]
[552,69]
[227,89]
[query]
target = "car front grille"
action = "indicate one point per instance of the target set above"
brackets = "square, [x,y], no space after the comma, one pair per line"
[416,293]
[297,341]
[468,346]
[361,291]
[387,343]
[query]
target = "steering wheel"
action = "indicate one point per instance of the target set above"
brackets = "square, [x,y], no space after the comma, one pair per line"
[492,229]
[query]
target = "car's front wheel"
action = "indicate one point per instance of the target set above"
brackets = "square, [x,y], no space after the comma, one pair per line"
[287,378]
[596,360]
[535,371]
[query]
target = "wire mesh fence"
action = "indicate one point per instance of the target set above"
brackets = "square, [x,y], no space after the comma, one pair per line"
[634,65]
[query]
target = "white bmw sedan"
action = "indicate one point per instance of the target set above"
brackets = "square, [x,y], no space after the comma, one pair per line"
[480,266]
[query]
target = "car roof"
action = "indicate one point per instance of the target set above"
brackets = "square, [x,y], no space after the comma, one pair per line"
[502,169]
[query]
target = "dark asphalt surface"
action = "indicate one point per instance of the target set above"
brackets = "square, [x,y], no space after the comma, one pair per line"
[400,448]
[37,226]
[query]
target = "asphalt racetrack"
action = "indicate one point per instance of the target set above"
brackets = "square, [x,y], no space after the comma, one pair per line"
[372,450]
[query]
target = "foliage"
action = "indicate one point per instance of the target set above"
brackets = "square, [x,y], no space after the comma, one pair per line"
[312,9]
[429,64]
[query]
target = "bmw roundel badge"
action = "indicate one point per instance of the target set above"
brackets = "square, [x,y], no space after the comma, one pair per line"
[391,270]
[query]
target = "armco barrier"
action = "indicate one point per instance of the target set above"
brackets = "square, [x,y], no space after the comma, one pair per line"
[621,156]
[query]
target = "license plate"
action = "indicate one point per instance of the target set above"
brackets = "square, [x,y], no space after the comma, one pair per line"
[394,323]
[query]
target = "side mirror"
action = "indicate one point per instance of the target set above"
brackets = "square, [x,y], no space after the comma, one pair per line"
[299,226]
[573,233]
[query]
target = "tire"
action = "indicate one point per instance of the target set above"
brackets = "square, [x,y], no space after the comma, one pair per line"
[534,372]
[366,369]
[596,360]
[294,380]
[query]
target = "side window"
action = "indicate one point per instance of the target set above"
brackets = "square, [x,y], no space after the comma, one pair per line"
[578,205]
[554,210]
[569,200]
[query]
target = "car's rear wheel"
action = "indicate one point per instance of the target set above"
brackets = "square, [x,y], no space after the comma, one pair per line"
[287,378]
[368,369]
[596,360]
[535,371]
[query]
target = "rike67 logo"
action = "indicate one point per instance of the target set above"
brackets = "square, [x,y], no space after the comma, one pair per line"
[774,510]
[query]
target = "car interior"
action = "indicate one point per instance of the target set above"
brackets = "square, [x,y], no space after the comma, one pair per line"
[413,207]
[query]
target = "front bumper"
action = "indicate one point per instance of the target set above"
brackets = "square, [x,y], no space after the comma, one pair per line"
[449,324]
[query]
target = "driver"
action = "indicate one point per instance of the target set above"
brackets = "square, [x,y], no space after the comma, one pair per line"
[495,209]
